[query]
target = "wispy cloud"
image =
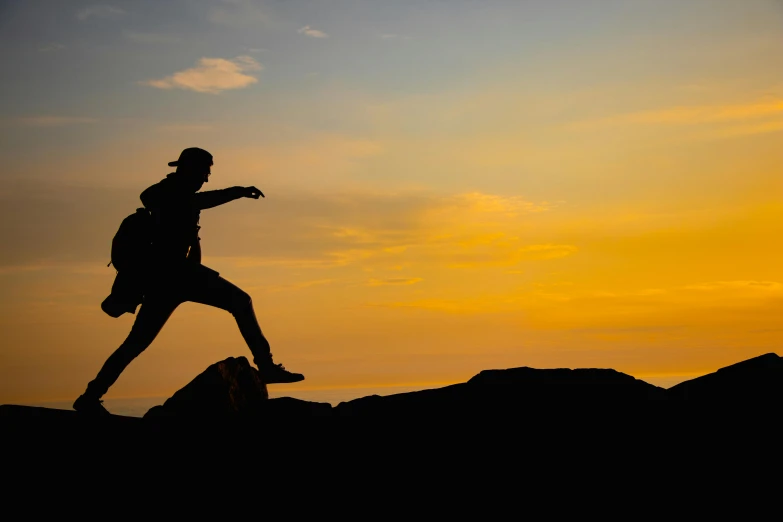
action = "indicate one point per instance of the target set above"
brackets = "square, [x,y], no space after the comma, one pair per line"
[706,114]
[238,13]
[393,36]
[688,115]
[394,281]
[293,286]
[380,233]
[547,251]
[374,234]
[460,306]
[510,206]
[62,266]
[184,128]
[53,121]
[750,129]
[312,33]
[707,294]
[100,11]
[750,286]
[212,75]
[151,38]
[51,47]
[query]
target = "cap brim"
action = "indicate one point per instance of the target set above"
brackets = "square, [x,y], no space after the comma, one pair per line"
[173,163]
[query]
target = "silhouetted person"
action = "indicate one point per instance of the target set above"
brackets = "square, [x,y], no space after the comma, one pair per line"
[174,274]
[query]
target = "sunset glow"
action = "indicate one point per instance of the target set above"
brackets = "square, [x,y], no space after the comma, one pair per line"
[450,186]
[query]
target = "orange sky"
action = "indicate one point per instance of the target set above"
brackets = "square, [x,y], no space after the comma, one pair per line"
[596,193]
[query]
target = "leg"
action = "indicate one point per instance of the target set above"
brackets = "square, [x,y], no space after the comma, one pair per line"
[216,291]
[153,314]
[213,290]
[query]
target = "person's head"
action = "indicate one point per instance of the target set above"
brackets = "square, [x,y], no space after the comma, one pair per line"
[194,164]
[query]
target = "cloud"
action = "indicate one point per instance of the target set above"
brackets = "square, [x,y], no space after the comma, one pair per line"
[547,251]
[51,47]
[458,306]
[710,294]
[497,249]
[605,313]
[20,269]
[380,232]
[212,75]
[56,266]
[53,121]
[393,36]
[100,11]
[750,129]
[510,206]
[374,234]
[394,281]
[184,128]
[238,13]
[746,286]
[313,33]
[291,286]
[688,115]
[151,38]
[705,114]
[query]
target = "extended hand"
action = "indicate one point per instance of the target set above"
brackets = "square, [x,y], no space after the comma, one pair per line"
[253,192]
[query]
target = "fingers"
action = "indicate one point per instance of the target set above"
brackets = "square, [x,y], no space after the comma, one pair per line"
[254,193]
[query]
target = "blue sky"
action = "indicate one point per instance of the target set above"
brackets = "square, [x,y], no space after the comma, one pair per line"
[84,63]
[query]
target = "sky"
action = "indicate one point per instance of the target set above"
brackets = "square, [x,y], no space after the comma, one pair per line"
[451,186]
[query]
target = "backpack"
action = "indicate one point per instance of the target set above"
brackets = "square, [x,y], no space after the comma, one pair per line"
[131,245]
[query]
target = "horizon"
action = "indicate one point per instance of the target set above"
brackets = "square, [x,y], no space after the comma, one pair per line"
[138,406]
[450,187]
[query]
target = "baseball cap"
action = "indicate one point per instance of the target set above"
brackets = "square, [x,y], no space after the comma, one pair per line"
[192,156]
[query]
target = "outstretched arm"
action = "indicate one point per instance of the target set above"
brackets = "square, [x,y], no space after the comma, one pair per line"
[214,198]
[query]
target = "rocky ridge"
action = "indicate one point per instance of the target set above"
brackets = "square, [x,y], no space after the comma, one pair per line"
[233,389]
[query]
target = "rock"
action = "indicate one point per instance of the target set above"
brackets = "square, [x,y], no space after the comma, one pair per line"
[576,398]
[564,386]
[231,387]
[288,407]
[757,381]
[57,431]
[516,391]
[12,415]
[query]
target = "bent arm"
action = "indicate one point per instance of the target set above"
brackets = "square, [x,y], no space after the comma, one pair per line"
[214,198]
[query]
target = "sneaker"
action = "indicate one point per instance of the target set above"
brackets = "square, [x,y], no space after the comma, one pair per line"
[91,407]
[272,373]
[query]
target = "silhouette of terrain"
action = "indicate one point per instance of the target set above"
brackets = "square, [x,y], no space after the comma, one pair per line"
[228,387]
[516,390]
[580,426]
[757,380]
[231,388]
[234,389]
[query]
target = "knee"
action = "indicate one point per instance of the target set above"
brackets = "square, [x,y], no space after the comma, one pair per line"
[242,301]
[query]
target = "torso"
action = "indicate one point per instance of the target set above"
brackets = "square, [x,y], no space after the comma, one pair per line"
[176,219]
